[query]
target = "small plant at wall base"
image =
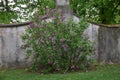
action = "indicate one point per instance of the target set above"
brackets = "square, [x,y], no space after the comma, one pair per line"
[58,46]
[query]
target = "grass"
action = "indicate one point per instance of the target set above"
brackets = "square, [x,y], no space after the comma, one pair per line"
[104,72]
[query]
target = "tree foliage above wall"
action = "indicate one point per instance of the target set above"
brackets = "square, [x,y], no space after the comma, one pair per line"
[102,11]
[21,10]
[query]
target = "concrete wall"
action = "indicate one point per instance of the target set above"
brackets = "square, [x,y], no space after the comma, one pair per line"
[106,42]
[109,45]
[91,33]
[11,53]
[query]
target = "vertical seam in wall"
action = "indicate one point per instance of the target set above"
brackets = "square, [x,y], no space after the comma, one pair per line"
[17,46]
[2,45]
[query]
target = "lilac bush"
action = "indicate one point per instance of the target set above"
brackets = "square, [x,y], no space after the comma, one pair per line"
[58,45]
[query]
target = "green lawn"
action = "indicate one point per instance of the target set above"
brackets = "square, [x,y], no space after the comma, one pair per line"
[106,72]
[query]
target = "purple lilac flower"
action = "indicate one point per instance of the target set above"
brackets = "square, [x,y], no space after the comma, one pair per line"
[72,67]
[77,67]
[32,24]
[65,47]
[38,25]
[62,40]
[40,16]
[50,38]
[24,46]
[62,16]
[51,13]
[50,63]
[47,11]
[41,35]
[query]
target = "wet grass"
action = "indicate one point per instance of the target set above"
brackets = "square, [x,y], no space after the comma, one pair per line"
[104,72]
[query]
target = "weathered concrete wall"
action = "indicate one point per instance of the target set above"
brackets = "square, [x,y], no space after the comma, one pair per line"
[11,53]
[91,33]
[106,42]
[109,45]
